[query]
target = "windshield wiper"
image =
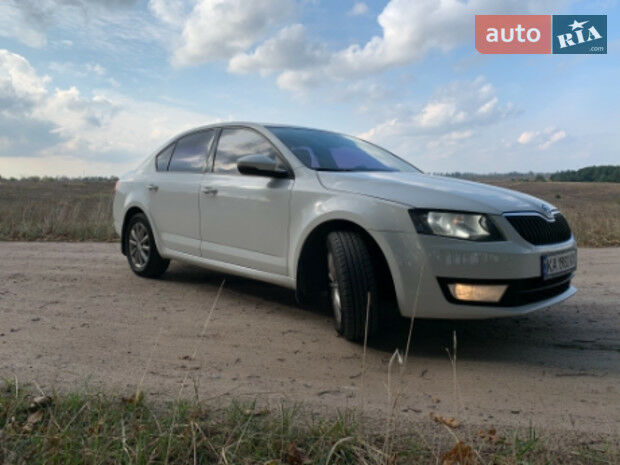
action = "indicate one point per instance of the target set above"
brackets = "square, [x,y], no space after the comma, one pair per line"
[334,169]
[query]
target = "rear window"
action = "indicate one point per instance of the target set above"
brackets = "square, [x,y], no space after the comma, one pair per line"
[190,152]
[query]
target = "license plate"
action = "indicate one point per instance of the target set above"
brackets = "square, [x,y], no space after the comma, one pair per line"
[558,263]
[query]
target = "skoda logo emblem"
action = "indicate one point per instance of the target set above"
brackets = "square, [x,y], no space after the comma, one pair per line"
[546,210]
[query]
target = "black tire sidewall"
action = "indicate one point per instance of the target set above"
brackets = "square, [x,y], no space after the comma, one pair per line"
[355,277]
[155,264]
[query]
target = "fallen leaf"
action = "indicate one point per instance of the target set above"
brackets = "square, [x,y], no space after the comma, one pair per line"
[450,422]
[296,456]
[490,435]
[460,454]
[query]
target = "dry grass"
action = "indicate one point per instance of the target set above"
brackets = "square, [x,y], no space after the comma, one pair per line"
[56,211]
[81,211]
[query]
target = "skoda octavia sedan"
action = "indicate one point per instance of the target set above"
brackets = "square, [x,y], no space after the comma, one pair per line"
[334,217]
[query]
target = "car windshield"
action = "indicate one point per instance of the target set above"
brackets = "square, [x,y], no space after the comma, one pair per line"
[328,151]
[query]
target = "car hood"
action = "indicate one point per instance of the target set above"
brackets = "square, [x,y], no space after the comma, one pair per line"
[428,191]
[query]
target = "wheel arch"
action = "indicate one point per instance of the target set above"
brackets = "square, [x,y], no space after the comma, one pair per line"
[311,262]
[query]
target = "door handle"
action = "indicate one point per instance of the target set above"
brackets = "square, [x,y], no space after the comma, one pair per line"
[153,187]
[209,190]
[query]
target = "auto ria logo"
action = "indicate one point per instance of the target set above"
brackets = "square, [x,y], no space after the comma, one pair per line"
[564,34]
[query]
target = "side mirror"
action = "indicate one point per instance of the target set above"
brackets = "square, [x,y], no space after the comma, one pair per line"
[261,165]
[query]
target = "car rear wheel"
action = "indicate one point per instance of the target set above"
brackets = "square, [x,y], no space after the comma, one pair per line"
[142,254]
[352,280]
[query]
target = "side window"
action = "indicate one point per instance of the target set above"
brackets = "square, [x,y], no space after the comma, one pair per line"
[190,153]
[237,143]
[163,158]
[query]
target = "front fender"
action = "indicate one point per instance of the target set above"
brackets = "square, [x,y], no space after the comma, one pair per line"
[370,214]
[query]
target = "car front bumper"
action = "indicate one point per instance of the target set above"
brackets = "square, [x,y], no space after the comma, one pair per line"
[421,266]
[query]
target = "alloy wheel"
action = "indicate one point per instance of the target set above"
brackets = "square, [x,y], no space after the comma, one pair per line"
[139,245]
[334,290]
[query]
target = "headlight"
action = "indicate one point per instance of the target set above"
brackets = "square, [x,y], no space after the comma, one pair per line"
[458,225]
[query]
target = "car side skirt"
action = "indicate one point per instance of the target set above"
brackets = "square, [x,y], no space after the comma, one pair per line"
[237,270]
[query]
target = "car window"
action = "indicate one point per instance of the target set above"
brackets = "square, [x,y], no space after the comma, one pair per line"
[163,158]
[190,152]
[235,143]
[329,151]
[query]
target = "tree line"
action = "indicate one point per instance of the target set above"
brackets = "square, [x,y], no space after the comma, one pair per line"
[604,173]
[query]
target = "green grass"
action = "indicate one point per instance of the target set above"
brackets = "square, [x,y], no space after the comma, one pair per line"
[77,428]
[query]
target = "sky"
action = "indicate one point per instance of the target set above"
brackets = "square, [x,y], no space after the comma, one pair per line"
[92,87]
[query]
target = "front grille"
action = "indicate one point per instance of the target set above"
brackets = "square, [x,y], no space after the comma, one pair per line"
[538,231]
[519,291]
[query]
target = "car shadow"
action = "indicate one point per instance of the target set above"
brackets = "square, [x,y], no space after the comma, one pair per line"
[534,339]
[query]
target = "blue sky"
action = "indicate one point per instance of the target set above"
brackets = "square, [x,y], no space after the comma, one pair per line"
[90,87]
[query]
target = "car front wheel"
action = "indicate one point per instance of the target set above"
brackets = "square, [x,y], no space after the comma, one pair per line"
[142,254]
[352,282]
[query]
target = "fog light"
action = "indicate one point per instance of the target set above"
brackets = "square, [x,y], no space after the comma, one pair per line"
[477,292]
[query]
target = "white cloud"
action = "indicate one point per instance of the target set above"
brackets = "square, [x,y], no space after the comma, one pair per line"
[106,127]
[77,69]
[453,109]
[410,30]
[360,8]
[526,137]
[288,49]
[450,124]
[219,29]
[173,12]
[13,24]
[29,20]
[542,139]
[20,86]
[297,81]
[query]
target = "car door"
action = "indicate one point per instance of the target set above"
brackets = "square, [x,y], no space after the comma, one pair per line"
[245,219]
[174,192]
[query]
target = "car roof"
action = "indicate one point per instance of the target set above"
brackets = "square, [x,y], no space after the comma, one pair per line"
[250,124]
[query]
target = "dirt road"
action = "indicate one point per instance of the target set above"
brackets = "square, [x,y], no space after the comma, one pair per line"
[73,315]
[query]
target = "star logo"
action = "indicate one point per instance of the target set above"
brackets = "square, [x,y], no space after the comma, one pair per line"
[577,25]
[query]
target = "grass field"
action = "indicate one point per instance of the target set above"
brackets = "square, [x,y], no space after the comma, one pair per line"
[56,211]
[77,428]
[81,211]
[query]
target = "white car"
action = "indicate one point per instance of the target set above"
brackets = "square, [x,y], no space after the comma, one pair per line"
[331,215]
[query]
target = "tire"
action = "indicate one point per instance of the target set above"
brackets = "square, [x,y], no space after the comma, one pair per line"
[142,254]
[351,277]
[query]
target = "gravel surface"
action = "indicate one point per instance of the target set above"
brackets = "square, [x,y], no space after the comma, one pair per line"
[72,315]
